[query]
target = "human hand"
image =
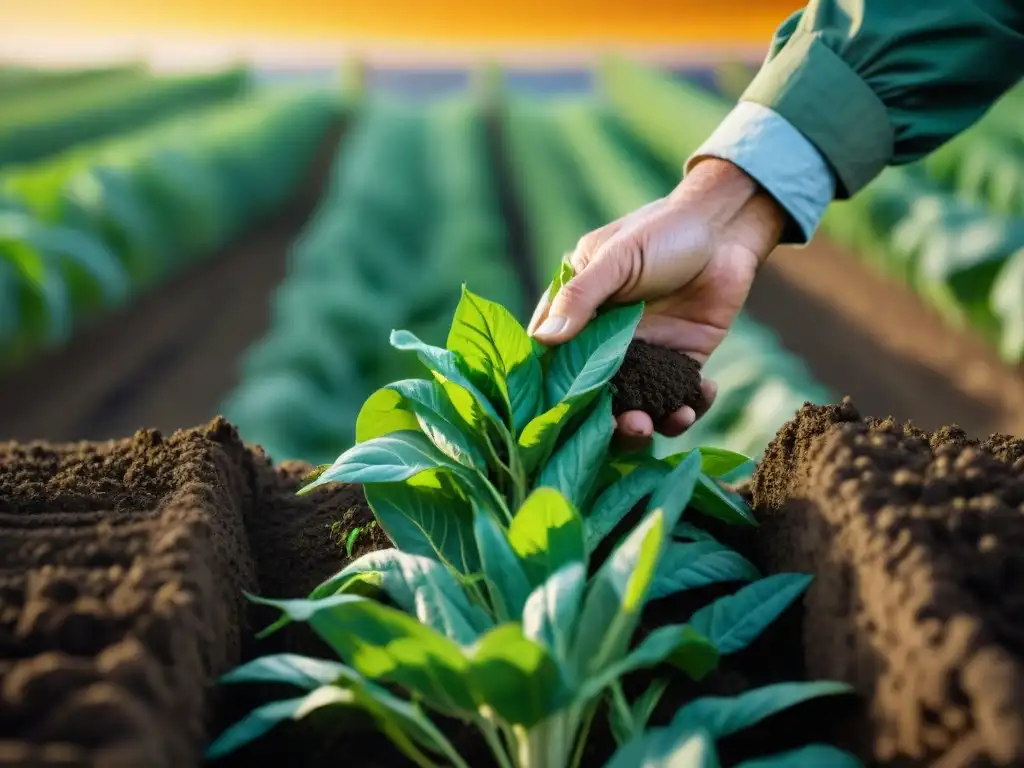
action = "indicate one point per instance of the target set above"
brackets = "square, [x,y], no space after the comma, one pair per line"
[691,255]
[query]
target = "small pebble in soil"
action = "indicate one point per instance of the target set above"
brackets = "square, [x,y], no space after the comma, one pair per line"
[656,380]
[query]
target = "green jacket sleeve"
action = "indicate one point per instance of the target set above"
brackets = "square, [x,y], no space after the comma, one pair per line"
[873,83]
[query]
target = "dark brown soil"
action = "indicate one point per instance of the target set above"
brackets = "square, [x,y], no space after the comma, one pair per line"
[122,570]
[656,380]
[301,540]
[297,542]
[122,566]
[917,543]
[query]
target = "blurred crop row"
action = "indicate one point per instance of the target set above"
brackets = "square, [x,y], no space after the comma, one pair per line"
[113,180]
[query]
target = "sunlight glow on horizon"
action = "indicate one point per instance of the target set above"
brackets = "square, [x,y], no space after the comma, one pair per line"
[656,22]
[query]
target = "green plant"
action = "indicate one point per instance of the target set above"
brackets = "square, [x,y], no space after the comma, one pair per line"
[492,617]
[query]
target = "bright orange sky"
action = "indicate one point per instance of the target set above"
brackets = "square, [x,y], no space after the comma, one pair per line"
[536,21]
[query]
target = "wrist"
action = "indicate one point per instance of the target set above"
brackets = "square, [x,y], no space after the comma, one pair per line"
[723,180]
[734,203]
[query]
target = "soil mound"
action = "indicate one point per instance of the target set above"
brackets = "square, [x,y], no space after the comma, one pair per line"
[122,566]
[656,380]
[917,543]
[301,540]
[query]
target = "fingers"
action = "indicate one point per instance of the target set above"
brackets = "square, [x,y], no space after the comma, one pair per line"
[586,248]
[677,423]
[680,421]
[709,391]
[633,430]
[539,313]
[580,298]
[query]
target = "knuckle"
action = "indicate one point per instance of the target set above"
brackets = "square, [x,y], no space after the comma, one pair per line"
[574,293]
[584,250]
[618,258]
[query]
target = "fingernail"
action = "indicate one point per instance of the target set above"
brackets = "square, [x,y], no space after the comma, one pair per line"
[551,326]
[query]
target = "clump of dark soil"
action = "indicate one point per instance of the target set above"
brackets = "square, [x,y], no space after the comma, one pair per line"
[916,540]
[122,566]
[656,380]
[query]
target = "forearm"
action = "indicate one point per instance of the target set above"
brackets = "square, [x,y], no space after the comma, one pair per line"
[872,83]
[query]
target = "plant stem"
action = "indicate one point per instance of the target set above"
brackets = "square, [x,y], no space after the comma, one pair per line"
[494,742]
[622,707]
[494,457]
[581,737]
[517,474]
[500,501]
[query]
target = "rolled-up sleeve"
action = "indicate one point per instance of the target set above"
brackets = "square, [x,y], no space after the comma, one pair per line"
[872,83]
[780,159]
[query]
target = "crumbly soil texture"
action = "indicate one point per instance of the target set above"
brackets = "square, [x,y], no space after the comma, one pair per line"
[123,563]
[122,571]
[916,540]
[656,380]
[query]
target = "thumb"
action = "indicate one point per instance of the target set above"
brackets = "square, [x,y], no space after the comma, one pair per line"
[579,299]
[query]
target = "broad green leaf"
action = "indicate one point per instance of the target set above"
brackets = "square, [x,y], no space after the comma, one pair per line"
[404,723]
[420,586]
[616,596]
[574,467]
[506,580]
[564,275]
[818,755]
[690,532]
[616,501]
[689,649]
[515,677]
[622,464]
[262,719]
[440,421]
[722,716]
[384,412]
[389,459]
[430,521]
[416,404]
[714,462]
[546,533]
[551,610]
[498,355]
[538,438]
[733,622]
[714,501]
[667,748]
[469,402]
[676,490]
[388,645]
[688,565]
[591,359]
[292,669]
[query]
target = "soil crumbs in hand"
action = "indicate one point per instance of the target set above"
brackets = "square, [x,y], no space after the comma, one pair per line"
[656,380]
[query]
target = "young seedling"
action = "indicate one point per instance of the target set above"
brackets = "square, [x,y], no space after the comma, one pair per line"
[496,482]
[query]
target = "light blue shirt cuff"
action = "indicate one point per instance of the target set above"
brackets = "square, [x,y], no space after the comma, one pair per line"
[776,155]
